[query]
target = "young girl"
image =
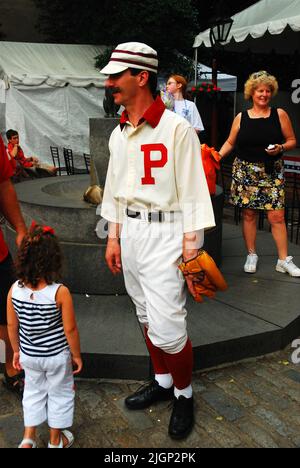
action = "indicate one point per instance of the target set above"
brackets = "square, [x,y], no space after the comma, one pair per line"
[177,86]
[44,336]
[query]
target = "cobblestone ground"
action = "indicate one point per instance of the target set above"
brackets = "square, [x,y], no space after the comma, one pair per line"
[247,404]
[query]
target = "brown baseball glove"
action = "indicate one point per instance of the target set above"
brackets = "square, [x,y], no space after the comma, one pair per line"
[206,276]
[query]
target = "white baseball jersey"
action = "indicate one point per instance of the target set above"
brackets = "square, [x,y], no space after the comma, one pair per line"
[157,167]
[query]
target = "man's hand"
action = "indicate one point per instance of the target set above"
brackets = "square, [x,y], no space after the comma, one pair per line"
[113,256]
[188,254]
[11,210]
[190,285]
[20,235]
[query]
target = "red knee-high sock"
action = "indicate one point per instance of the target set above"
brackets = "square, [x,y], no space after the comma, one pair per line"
[157,356]
[180,366]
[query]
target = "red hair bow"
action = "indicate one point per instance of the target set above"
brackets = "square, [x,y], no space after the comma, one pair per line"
[45,229]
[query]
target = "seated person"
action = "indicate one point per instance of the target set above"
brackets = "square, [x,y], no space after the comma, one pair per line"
[23,166]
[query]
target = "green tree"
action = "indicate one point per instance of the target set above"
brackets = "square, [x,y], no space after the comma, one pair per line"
[208,11]
[168,26]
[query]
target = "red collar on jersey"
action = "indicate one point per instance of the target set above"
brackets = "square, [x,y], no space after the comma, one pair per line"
[152,115]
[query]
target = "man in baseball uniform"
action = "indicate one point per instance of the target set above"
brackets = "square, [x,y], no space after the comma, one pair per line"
[157,203]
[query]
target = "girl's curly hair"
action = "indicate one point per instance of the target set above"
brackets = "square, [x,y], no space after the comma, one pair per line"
[39,257]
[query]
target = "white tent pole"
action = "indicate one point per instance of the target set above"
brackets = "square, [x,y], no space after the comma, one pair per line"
[196,65]
[196,70]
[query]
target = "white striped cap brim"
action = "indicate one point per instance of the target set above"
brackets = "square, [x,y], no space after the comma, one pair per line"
[113,68]
[131,55]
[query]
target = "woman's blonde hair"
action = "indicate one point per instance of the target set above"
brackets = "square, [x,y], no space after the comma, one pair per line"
[180,80]
[260,78]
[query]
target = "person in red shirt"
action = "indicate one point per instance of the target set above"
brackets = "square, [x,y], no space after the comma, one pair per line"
[10,209]
[23,166]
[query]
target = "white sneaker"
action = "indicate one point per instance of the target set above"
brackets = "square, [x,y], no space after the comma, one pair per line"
[251,263]
[288,266]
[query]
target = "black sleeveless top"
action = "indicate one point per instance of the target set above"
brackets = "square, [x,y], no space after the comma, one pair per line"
[255,135]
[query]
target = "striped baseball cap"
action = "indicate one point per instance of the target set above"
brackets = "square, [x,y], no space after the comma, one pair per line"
[131,55]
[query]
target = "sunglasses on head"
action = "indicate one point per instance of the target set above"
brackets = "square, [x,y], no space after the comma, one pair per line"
[260,73]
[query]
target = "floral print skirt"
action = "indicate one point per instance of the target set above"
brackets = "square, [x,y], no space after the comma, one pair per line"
[253,188]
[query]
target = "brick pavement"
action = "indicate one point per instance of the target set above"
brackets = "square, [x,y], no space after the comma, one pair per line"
[252,403]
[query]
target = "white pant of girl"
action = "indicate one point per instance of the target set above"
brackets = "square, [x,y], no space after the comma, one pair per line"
[49,390]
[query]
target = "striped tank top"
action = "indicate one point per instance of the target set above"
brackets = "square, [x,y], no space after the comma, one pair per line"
[41,329]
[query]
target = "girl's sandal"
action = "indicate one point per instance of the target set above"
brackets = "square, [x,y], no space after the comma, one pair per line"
[28,442]
[70,441]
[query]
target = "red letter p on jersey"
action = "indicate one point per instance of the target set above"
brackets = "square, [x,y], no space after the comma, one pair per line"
[150,163]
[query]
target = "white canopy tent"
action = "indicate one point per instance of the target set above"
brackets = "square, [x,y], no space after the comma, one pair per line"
[269,18]
[225,82]
[48,92]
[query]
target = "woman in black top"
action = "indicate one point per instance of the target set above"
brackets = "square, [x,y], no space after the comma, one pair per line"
[260,135]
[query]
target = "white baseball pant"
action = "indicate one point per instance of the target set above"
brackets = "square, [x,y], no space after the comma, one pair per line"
[49,390]
[151,253]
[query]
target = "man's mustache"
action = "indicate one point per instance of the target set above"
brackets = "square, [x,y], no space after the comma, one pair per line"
[115,90]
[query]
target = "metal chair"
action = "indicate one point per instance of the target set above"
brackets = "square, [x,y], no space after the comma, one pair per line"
[69,161]
[56,159]
[87,160]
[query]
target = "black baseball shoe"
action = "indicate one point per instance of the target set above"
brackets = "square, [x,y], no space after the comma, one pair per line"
[182,418]
[147,395]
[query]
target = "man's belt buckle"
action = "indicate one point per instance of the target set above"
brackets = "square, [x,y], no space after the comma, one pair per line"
[155,216]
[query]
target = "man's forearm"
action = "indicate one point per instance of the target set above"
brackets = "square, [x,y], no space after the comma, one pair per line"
[114,230]
[10,208]
[192,242]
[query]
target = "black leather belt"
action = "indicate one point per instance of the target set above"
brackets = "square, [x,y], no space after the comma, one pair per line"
[155,216]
